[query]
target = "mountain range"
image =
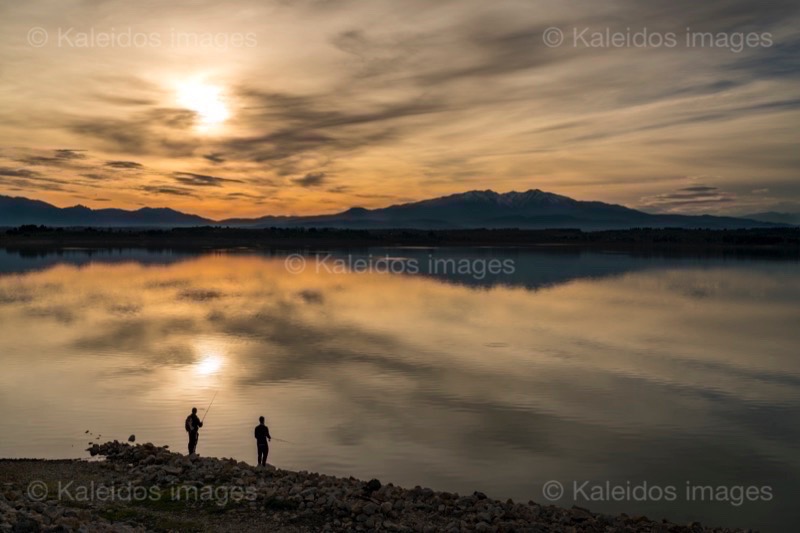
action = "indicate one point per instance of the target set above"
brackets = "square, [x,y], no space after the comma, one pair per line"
[533,209]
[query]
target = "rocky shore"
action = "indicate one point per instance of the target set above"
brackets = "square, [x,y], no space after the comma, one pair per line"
[148,488]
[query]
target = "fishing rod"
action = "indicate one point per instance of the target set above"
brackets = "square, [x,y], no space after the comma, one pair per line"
[209,407]
[282,440]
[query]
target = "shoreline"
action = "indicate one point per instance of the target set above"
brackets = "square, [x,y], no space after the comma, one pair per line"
[145,487]
[771,243]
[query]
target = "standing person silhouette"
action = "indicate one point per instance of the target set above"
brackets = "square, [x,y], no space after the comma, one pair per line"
[262,438]
[193,425]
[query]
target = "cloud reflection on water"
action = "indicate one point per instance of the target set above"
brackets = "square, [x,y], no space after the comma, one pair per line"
[664,373]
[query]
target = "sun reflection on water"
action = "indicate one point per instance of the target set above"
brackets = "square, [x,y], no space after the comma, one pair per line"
[211,358]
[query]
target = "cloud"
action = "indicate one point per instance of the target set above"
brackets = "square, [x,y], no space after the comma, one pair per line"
[126,100]
[24,180]
[124,164]
[314,179]
[70,154]
[62,157]
[39,160]
[435,99]
[308,126]
[698,190]
[246,196]
[215,157]
[173,191]
[202,180]
[698,197]
[17,172]
[157,131]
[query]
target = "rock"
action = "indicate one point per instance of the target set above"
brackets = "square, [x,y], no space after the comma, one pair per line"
[333,504]
[26,524]
[132,438]
[371,486]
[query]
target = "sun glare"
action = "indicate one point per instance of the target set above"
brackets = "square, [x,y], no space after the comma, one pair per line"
[210,358]
[209,365]
[204,99]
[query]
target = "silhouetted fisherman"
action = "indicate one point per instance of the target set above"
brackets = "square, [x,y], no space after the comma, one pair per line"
[262,438]
[193,425]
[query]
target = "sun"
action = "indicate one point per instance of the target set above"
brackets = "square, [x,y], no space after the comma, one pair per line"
[204,99]
[209,365]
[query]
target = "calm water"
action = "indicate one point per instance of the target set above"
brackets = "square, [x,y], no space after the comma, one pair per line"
[576,367]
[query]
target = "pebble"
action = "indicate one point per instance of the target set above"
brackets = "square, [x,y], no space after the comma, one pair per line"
[333,504]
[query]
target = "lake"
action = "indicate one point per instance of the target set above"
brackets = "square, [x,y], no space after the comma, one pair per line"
[665,386]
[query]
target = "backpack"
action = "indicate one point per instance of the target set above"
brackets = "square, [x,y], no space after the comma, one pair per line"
[189,424]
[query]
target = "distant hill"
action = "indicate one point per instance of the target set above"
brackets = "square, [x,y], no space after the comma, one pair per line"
[792,219]
[533,209]
[17,211]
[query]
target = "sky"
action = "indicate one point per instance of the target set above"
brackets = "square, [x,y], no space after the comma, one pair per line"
[255,107]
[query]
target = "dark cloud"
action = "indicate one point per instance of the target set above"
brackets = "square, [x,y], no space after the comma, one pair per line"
[17,172]
[314,179]
[39,160]
[124,164]
[156,131]
[24,180]
[782,60]
[126,100]
[310,296]
[173,191]
[686,197]
[245,196]
[379,57]
[497,50]
[691,193]
[95,176]
[320,125]
[700,189]
[202,180]
[199,295]
[714,15]
[215,157]
[70,154]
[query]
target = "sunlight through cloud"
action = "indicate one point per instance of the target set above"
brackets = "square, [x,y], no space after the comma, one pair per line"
[204,99]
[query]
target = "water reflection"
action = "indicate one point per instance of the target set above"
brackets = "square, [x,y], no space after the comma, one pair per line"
[614,368]
[210,355]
